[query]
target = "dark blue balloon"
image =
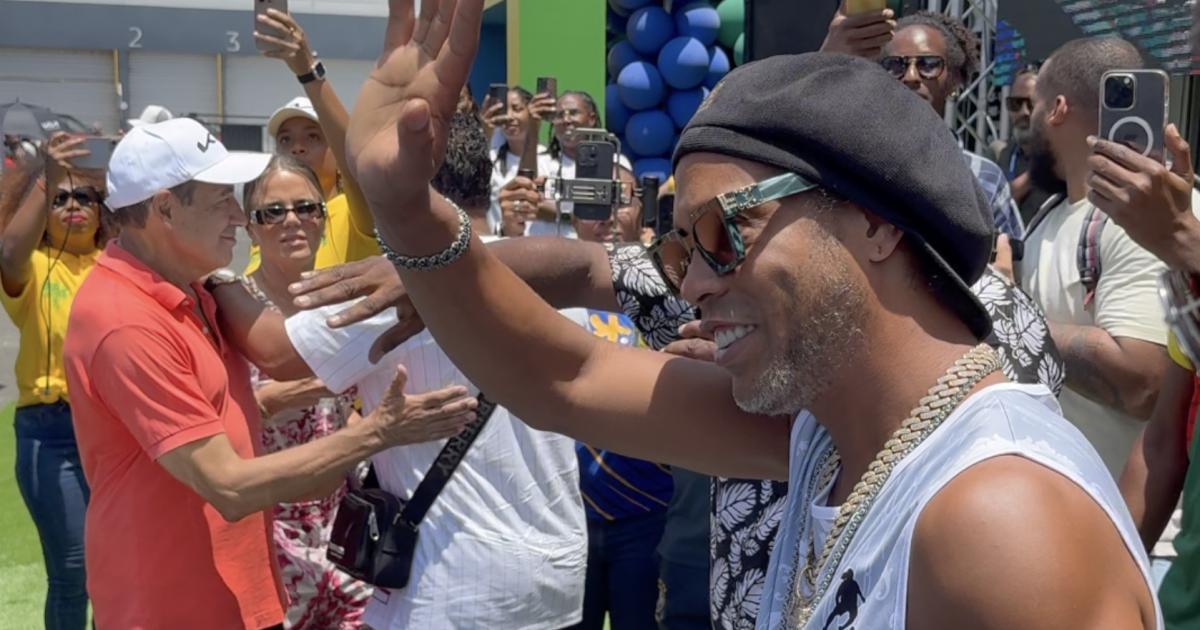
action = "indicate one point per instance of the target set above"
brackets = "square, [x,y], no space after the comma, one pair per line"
[718,66]
[621,54]
[649,28]
[699,20]
[650,132]
[682,105]
[653,166]
[641,86]
[614,110]
[627,6]
[684,63]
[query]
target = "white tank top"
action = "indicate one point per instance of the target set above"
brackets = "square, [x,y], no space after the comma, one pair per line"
[1006,419]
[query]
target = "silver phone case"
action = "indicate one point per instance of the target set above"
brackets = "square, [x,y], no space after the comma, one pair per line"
[1146,119]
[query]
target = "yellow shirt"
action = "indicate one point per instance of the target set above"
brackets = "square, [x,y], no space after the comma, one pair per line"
[344,239]
[40,313]
[1177,354]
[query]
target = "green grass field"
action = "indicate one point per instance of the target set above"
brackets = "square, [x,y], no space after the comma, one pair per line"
[22,577]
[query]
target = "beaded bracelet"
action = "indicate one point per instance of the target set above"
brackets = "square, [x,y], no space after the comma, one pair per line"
[433,261]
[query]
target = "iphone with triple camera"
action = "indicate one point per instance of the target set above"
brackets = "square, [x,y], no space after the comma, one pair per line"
[1133,109]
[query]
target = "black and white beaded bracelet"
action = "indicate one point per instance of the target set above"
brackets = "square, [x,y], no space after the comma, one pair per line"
[433,261]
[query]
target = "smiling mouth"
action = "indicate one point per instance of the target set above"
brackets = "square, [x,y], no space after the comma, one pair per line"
[726,337]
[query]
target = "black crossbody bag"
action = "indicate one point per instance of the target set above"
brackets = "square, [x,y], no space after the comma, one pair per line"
[375,532]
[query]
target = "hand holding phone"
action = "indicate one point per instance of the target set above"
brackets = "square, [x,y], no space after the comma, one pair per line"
[1133,109]
[260,9]
[99,152]
[862,27]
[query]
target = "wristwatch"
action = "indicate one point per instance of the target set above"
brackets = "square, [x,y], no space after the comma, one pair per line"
[221,277]
[317,72]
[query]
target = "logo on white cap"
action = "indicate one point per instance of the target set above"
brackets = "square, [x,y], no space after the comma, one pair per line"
[161,156]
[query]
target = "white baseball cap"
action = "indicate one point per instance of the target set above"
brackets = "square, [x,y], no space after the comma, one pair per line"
[163,155]
[299,107]
[152,114]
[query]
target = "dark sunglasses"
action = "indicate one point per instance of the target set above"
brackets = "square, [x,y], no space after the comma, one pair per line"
[929,67]
[714,232]
[84,196]
[277,213]
[1017,103]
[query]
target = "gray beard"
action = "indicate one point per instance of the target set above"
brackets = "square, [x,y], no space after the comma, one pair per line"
[824,339]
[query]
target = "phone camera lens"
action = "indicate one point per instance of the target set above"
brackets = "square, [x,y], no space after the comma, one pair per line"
[1118,91]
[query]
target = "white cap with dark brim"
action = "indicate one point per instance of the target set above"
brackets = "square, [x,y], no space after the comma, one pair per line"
[163,155]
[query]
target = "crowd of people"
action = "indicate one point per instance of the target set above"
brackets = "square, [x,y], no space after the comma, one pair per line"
[865,380]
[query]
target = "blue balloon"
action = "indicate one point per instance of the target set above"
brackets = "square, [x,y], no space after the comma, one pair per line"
[614,110]
[649,28]
[621,54]
[650,132]
[683,63]
[718,67]
[627,6]
[640,86]
[654,167]
[682,105]
[698,20]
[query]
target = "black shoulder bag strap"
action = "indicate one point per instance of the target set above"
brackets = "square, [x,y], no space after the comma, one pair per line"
[445,464]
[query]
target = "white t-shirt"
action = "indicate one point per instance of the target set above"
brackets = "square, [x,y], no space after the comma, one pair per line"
[504,173]
[1126,304]
[505,543]
[1005,419]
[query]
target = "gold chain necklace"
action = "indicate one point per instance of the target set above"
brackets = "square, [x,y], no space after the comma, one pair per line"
[926,417]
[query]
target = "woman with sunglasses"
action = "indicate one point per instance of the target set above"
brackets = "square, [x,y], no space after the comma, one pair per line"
[50,223]
[935,55]
[286,222]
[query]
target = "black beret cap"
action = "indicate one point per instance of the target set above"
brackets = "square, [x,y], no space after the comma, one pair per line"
[844,122]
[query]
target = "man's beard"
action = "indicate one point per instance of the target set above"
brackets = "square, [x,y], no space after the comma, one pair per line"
[1042,163]
[1022,136]
[823,336]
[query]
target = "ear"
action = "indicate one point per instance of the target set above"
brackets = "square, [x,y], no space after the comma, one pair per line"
[161,204]
[1059,111]
[882,238]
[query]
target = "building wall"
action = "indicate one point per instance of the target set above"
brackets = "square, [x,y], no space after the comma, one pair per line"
[194,60]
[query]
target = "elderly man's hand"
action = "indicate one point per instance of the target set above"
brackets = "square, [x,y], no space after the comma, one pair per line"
[1151,201]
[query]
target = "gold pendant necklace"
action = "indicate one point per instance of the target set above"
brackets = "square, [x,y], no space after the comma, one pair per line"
[923,420]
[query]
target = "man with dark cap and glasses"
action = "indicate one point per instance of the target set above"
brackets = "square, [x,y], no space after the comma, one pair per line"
[833,271]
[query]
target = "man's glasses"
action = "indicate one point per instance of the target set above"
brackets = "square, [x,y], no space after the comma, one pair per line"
[714,233]
[929,67]
[1018,103]
[277,213]
[84,196]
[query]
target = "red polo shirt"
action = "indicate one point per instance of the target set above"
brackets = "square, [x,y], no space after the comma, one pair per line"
[145,379]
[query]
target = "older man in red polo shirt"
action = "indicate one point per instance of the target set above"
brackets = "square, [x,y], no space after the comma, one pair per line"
[176,536]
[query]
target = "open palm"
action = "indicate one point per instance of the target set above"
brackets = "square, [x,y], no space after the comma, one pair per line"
[397,133]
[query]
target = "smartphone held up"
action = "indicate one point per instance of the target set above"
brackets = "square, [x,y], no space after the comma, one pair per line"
[1133,110]
[260,9]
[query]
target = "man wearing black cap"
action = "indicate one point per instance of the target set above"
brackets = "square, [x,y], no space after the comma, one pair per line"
[833,270]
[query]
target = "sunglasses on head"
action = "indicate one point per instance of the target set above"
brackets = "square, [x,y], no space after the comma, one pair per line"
[1017,103]
[928,66]
[714,232]
[277,212]
[84,196]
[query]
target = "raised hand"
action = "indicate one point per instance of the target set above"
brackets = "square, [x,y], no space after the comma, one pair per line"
[397,134]
[1151,201]
[411,419]
[291,45]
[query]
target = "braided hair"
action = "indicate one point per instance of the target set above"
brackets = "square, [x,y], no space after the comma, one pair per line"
[555,147]
[502,152]
[962,46]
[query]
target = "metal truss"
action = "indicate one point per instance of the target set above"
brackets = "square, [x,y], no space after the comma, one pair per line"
[977,117]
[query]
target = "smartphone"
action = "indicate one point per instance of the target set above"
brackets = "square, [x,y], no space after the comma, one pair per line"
[547,85]
[595,159]
[855,7]
[499,93]
[1133,109]
[260,8]
[101,148]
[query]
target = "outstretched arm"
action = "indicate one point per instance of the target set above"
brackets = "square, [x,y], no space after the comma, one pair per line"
[554,374]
